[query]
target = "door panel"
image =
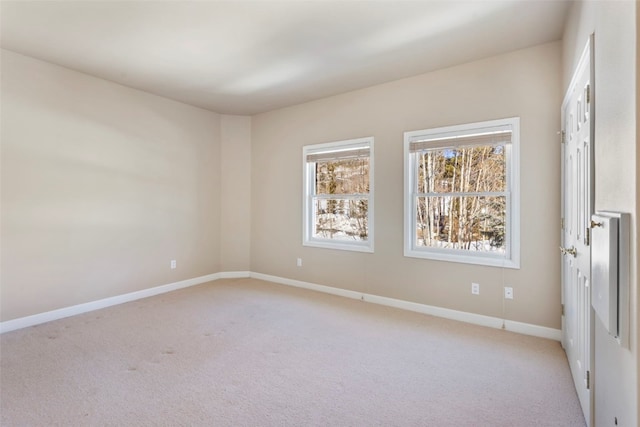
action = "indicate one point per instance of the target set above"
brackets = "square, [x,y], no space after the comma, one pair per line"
[577,207]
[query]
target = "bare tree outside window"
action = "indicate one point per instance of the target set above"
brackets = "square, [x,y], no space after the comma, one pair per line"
[345,216]
[451,213]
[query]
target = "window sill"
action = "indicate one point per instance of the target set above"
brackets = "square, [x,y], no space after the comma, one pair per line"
[463,258]
[355,247]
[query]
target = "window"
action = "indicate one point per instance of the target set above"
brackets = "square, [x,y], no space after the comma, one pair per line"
[462,195]
[338,195]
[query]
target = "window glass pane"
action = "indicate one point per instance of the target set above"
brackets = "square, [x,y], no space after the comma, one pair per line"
[341,219]
[347,176]
[470,223]
[480,168]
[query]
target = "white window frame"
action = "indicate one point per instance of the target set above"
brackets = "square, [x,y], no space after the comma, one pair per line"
[308,215]
[511,258]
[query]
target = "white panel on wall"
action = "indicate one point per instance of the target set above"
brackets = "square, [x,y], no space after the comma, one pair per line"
[610,246]
[604,271]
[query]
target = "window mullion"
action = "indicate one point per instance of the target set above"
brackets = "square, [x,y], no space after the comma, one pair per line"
[341,196]
[464,194]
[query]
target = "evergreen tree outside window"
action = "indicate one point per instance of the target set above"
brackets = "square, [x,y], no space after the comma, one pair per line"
[338,195]
[462,193]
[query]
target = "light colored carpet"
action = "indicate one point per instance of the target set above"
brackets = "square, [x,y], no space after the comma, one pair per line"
[250,353]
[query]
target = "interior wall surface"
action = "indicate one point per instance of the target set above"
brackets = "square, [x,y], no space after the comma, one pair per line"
[636,319]
[235,226]
[524,83]
[102,186]
[616,387]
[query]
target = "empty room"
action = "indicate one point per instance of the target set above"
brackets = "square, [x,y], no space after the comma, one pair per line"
[319,213]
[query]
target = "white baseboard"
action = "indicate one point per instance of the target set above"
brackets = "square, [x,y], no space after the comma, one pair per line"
[36,319]
[476,319]
[234,275]
[535,330]
[307,285]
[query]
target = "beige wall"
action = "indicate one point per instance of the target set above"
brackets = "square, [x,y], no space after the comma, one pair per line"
[236,194]
[637,224]
[616,177]
[525,83]
[102,186]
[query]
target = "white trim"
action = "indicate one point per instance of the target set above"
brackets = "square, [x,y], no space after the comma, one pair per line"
[343,245]
[535,330]
[234,275]
[308,285]
[476,319]
[36,319]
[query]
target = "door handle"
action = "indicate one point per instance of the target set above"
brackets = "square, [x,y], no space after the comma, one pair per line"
[571,251]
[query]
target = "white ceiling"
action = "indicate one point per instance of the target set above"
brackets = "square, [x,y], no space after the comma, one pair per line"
[241,57]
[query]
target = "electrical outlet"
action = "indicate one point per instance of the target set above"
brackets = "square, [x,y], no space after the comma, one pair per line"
[173,264]
[475,288]
[299,262]
[508,292]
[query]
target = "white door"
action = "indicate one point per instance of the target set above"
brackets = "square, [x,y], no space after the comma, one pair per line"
[577,207]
